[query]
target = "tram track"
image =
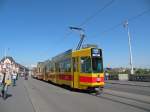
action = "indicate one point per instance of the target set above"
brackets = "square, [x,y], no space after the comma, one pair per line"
[141,102]
[128,103]
[133,102]
[128,98]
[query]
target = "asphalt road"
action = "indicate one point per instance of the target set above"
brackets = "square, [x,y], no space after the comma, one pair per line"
[38,96]
[128,88]
[18,100]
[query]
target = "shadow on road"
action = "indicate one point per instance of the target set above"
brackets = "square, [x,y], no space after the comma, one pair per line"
[7,96]
[69,88]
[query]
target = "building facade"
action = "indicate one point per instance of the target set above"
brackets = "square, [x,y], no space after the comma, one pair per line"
[9,64]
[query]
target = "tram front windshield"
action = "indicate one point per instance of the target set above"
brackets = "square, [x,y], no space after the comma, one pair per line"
[97,66]
[89,65]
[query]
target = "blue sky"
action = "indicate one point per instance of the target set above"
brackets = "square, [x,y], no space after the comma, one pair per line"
[36,30]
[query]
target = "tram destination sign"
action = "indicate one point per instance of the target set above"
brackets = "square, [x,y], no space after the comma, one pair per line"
[96,52]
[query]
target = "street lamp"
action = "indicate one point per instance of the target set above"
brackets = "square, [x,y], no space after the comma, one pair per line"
[5,52]
[130,48]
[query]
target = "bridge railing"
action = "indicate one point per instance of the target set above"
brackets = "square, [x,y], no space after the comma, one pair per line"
[136,77]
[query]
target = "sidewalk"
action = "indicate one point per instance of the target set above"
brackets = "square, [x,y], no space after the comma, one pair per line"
[18,100]
[132,83]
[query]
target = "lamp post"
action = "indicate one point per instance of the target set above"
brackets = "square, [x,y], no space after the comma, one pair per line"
[6,52]
[130,48]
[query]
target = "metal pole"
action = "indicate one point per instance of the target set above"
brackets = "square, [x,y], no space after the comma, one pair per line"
[131,61]
[130,48]
[5,53]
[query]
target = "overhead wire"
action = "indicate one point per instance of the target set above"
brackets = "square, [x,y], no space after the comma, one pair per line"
[89,18]
[129,19]
[96,13]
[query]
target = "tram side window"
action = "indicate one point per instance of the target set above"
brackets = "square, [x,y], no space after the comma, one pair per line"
[48,67]
[57,67]
[52,67]
[86,65]
[67,65]
[68,69]
[61,67]
[45,69]
[39,70]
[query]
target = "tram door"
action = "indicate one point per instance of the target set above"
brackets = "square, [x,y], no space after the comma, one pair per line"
[75,72]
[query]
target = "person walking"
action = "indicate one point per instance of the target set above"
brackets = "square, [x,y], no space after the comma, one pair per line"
[6,82]
[17,76]
[1,83]
[14,76]
[3,92]
[106,76]
[26,76]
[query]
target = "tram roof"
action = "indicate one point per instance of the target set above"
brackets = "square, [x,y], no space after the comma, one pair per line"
[66,53]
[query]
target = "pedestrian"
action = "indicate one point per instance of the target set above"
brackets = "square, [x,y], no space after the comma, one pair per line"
[14,76]
[6,82]
[106,76]
[1,84]
[1,77]
[3,92]
[26,76]
[17,76]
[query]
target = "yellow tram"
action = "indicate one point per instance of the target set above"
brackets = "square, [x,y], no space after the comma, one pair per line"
[80,69]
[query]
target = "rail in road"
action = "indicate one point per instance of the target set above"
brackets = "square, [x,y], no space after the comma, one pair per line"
[134,100]
[38,96]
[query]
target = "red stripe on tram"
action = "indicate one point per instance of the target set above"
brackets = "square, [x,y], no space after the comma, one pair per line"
[91,79]
[65,77]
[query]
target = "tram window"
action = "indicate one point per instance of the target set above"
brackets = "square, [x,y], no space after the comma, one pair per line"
[44,69]
[61,67]
[97,65]
[67,64]
[51,68]
[86,65]
[57,67]
[68,68]
[48,66]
